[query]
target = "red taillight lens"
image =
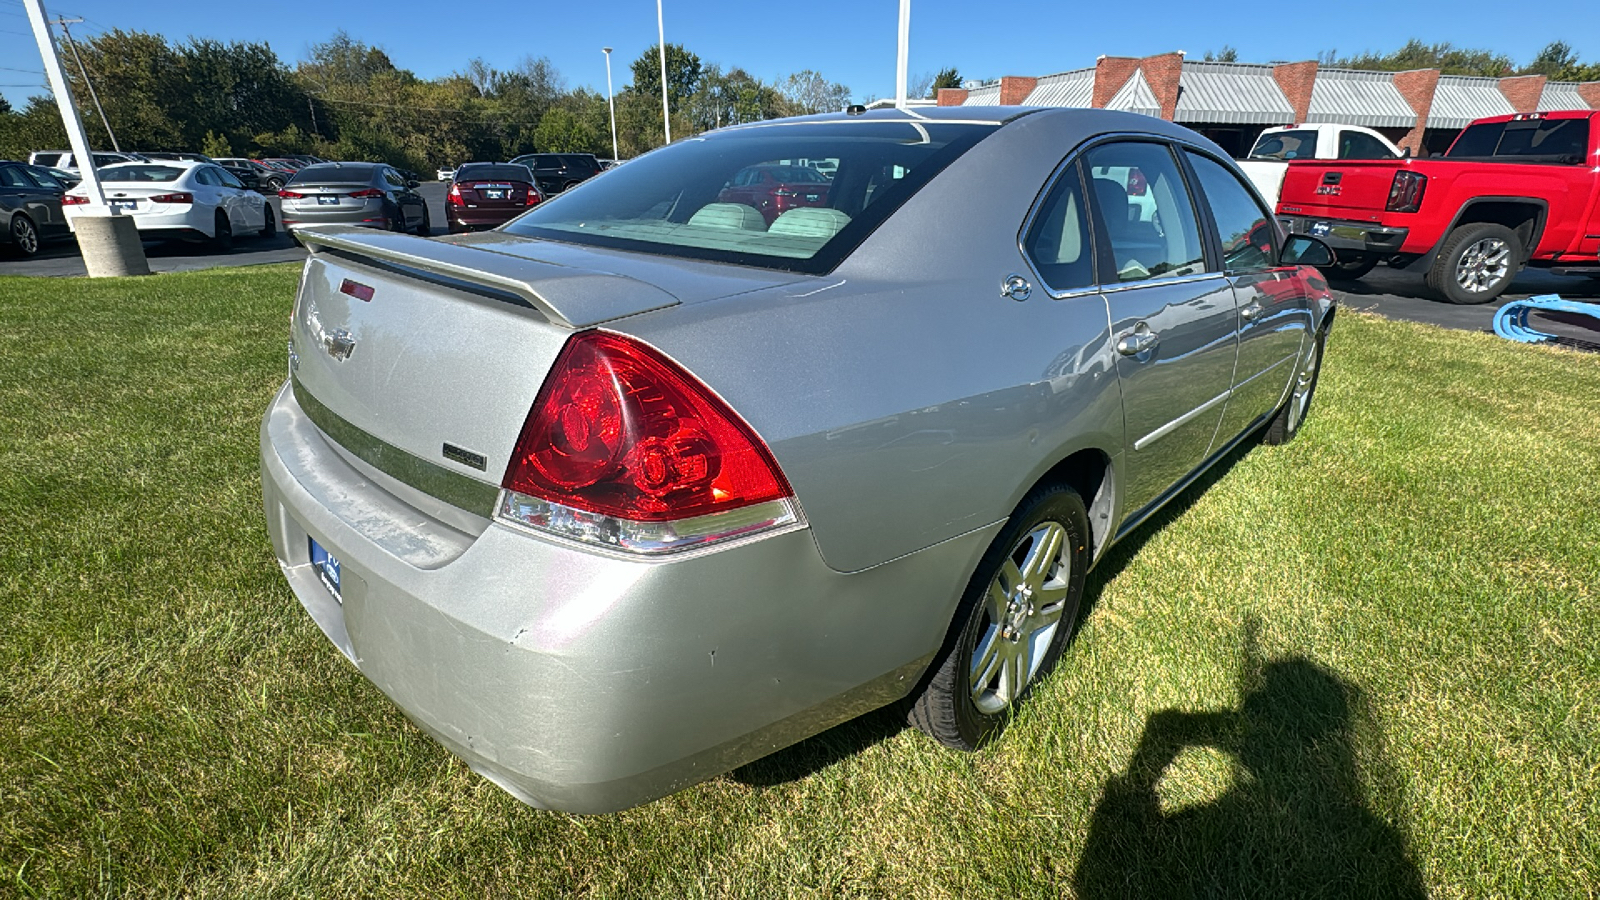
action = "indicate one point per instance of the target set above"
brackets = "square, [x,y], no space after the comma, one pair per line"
[620,430]
[178,197]
[1405,194]
[73,200]
[368,193]
[290,195]
[454,197]
[533,196]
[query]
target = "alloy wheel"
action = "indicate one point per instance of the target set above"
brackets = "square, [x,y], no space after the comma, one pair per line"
[1483,264]
[25,235]
[1304,381]
[1022,610]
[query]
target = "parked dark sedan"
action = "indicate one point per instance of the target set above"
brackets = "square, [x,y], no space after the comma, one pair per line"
[557,172]
[638,487]
[268,179]
[484,195]
[30,207]
[361,193]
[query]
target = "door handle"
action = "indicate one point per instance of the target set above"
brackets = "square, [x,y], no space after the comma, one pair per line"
[1253,312]
[1138,341]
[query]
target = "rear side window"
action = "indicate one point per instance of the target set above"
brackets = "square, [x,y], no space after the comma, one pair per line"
[47,159]
[1355,145]
[1149,219]
[1554,140]
[1058,241]
[1285,145]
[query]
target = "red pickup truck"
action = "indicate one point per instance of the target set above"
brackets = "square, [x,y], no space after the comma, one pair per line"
[1512,191]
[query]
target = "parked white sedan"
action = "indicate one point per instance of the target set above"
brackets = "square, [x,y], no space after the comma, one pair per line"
[179,199]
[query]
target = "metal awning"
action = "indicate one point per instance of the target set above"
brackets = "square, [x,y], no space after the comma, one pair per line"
[1560,95]
[1231,93]
[1459,99]
[988,95]
[1136,96]
[1351,97]
[1075,89]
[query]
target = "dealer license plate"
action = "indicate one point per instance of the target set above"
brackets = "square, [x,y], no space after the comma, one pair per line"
[129,205]
[327,200]
[326,566]
[495,195]
[1320,229]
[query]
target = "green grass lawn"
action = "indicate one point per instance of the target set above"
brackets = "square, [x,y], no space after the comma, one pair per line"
[1362,664]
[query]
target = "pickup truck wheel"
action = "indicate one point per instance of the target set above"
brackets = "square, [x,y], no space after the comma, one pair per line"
[1476,263]
[1350,268]
[1017,613]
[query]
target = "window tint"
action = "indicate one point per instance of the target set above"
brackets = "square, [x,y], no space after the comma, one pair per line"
[1058,241]
[47,159]
[207,175]
[228,179]
[333,174]
[44,178]
[682,200]
[11,177]
[1564,139]
[148,172]
[393,179]
[1149,219]
[1286,145]
[494,172]
[1245,229]
[1355,145]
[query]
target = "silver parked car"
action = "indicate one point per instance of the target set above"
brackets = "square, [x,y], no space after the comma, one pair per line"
[372,195]
[639,487]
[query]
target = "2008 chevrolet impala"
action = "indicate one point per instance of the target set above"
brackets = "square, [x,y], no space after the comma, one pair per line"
[663,476]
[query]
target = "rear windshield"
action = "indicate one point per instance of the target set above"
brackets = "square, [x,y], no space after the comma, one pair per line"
[326,174]
[499,172]
[47,159]
[135,172]
[701,199]
[1285,145]
[1551,140]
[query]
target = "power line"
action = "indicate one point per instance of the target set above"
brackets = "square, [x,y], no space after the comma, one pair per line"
[24,71]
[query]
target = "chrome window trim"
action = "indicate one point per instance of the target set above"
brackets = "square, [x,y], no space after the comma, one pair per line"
[1180,421]
[1164,279]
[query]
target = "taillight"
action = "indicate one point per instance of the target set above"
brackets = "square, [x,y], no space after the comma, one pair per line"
[1137,185]
[1405,194]
[454,197]
[366,194]
[624,448]
[290,195]
[179,197]
[73,200]
[534,199]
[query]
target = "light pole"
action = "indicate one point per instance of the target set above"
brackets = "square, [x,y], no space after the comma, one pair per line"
[666,115]
[611,101]
[87,83]
[905,53]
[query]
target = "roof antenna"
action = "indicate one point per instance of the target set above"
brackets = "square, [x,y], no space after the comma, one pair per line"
[855,109]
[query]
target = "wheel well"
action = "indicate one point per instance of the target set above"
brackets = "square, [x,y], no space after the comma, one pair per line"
[1526,219]
[1089,473]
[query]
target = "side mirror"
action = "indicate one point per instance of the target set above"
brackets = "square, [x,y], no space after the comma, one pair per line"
[1304,250]
[1405,153]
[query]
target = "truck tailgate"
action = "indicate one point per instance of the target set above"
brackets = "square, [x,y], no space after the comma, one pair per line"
[1351,189]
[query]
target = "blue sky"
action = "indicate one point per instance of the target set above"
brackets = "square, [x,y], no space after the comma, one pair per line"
[852,43]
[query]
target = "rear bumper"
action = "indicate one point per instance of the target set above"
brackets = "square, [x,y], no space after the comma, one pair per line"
[481,218]
[585,682]
[1348,236]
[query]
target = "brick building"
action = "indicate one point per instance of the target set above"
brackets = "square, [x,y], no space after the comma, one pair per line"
[1231,103]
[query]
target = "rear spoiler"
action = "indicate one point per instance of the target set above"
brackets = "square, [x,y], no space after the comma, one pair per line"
[569,296]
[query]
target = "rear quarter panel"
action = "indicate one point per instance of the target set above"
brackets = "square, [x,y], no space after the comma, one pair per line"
[906,400]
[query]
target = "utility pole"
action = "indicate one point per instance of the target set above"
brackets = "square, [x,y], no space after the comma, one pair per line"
[611,101]
[85,73]
[666,115]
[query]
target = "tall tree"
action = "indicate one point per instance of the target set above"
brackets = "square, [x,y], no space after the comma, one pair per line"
[947,78]
[1444,56]
[1559,62]
[809,92]
[684,70]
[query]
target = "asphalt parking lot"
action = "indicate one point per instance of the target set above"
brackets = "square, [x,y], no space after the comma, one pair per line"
[1387,292]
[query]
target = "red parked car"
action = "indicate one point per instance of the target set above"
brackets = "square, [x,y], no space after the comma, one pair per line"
[485,195]
[775,189]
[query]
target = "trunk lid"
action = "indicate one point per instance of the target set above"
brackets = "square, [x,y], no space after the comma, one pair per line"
[421,358]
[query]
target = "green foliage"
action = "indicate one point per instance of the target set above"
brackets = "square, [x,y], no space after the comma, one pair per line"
[38,127]
[1559,62]
[946,78]
[1226,54]
[683,74]
[1444,56]
[216,146]
[562,132]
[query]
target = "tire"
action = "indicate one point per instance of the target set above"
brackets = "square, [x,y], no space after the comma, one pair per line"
[1349,269]
[568,186]
[269,227]
[1292,414]
[969,696]
[1476,263]
[24,234]
[222,241]
[425,227]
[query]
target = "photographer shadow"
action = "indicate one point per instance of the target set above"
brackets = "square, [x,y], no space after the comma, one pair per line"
[1295,820]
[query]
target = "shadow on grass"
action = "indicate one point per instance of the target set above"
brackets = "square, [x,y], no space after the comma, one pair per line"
[857,735]
[1295,821]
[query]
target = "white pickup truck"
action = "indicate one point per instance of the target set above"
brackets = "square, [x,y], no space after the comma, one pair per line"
[1269,159]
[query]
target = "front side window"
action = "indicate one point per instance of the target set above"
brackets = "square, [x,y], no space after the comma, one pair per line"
[742,195]
[1286,145]
[1149,219]
[1246,231]
[1058,241]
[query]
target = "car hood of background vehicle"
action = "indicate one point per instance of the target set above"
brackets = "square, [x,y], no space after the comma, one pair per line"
[688,281]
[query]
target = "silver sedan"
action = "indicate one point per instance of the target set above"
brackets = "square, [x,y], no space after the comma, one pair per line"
[651,482]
